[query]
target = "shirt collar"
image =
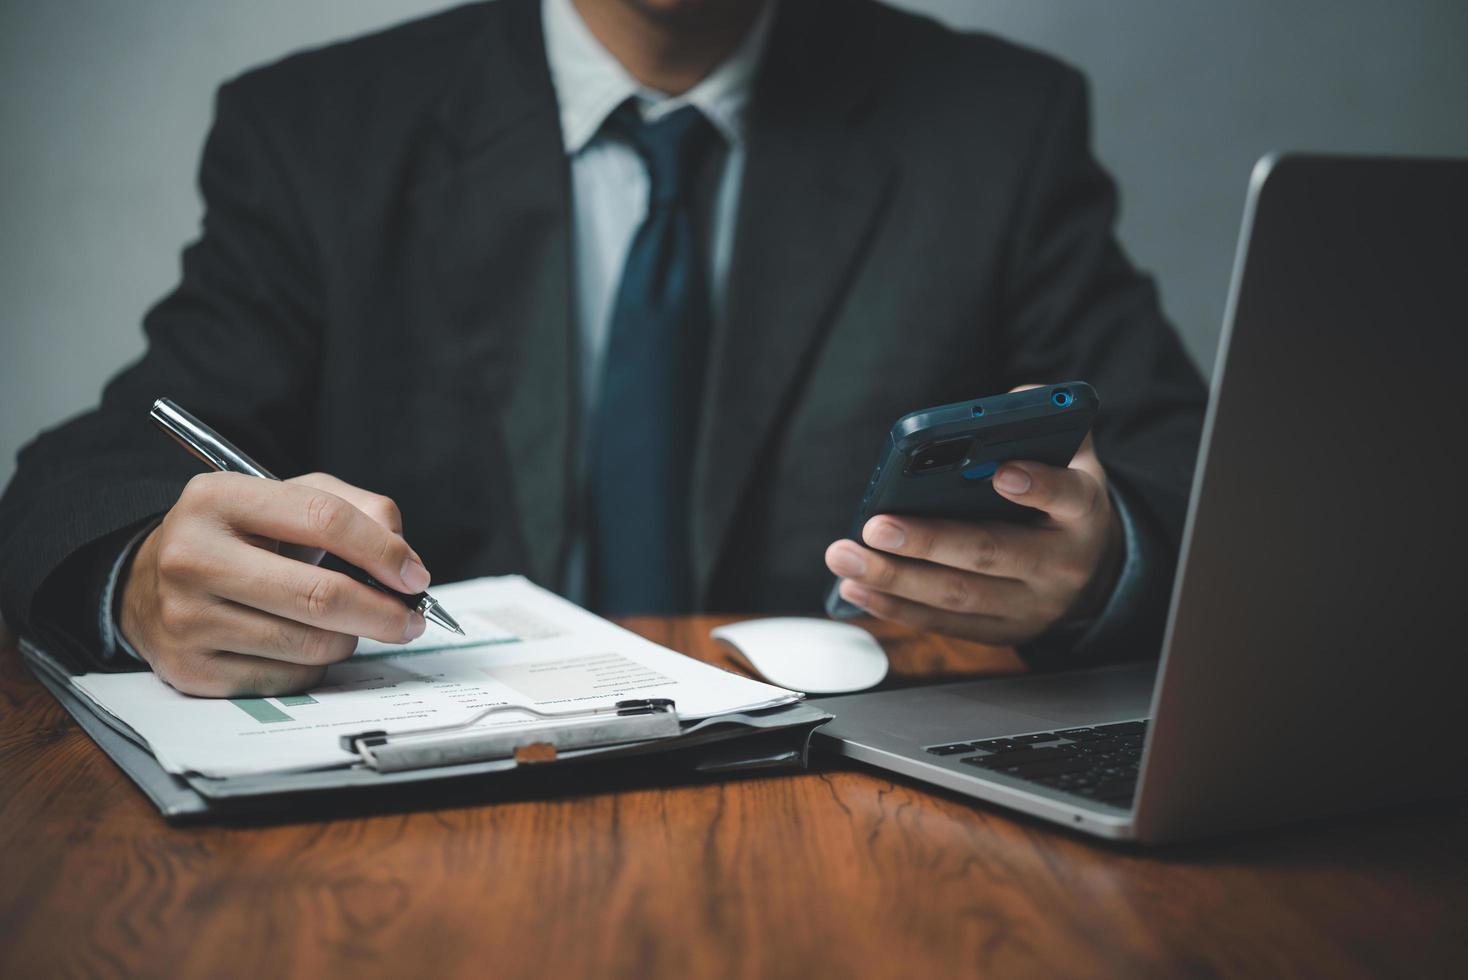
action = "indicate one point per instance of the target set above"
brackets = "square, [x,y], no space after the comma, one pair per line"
[590,82]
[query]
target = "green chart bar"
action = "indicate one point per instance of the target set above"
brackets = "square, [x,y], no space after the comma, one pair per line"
[291,700]
[260,709]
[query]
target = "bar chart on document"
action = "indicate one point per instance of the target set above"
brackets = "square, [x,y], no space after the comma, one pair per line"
[371,671]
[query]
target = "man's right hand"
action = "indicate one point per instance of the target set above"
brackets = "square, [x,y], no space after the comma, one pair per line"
[217,612]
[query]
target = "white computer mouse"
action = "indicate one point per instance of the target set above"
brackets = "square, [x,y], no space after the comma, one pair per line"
[816,656]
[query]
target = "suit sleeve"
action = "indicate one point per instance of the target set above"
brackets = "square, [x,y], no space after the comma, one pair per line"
[1076,309]
[237,342]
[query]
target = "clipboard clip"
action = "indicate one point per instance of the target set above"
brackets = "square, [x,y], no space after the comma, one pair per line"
[542,739]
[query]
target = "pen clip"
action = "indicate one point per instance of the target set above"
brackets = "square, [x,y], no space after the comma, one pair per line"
[203,442]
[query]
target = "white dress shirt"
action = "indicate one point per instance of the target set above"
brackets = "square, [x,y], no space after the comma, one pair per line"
[609,184]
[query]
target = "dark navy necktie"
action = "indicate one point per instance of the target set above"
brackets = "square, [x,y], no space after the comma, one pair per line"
[647,413]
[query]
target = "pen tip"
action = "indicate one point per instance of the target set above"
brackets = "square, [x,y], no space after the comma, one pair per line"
[435,613]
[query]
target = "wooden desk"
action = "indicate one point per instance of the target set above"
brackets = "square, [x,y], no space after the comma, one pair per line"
[838,872]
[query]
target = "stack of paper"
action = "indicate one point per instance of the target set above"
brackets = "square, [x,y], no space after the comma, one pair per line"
[525,646]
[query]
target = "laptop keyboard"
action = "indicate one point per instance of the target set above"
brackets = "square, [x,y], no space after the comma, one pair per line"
[1099,763]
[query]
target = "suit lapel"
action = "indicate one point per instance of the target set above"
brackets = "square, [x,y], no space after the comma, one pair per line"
[492,214]
[812,191]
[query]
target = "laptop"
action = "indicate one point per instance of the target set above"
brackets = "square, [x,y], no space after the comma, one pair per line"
[1314,659]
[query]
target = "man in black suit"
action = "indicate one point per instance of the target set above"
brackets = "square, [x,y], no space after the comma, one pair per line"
[622,295]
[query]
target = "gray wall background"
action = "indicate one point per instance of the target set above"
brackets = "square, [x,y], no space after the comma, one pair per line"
[104,106]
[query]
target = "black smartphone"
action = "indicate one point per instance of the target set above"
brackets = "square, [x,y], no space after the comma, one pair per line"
[939,462]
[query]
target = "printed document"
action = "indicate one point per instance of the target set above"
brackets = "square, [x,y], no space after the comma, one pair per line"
[524,646]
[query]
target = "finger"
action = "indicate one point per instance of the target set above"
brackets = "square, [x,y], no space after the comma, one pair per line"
[383,510]
[240,629]
[1087,462]
[318,597]
[989,548]
[306,516]
[1085,457]
[933,585]
[983,629]
[218,674]
[1066,494]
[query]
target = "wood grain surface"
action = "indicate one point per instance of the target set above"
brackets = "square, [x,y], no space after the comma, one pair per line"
[833,873]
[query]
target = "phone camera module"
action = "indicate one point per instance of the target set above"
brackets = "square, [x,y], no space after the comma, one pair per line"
[938,457]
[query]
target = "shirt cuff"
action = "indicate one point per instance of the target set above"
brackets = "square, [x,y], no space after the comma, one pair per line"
[1132,583]
[107,615]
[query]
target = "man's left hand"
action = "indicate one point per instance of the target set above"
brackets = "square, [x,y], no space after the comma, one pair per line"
[996,581]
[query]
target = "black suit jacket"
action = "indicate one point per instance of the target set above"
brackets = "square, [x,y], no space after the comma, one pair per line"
[382,291]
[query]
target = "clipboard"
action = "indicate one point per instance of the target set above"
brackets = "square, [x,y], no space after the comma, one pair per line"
[540,740]
[640,741]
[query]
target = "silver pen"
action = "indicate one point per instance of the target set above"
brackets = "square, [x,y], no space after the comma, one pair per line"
[219,453]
